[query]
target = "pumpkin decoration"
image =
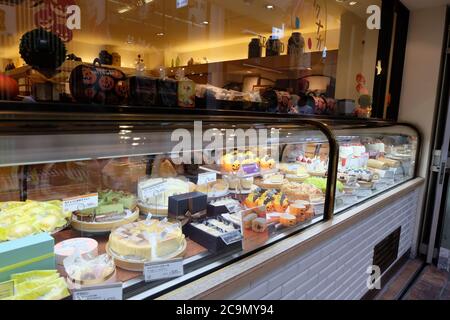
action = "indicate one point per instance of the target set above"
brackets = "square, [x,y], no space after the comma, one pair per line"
[9,89]
[42,50]
[267,163]
[97,84]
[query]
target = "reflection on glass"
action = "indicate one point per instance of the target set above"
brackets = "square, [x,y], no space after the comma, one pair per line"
[307,57]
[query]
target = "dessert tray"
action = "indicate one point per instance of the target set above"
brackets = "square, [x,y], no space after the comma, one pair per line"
[137,264]
[104,227]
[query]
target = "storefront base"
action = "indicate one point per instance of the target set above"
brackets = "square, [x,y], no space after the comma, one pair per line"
[329,261]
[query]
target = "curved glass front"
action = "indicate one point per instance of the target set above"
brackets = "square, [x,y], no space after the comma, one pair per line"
[138,193]
[372,161]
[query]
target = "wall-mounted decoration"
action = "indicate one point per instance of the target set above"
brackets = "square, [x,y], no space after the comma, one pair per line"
[320,10]
[9,89]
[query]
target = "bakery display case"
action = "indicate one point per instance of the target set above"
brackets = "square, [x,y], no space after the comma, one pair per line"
[116,192]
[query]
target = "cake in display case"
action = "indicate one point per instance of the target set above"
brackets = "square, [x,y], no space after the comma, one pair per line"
[204,203]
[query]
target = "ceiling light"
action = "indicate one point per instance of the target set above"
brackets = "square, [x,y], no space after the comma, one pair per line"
[352,3]
[160,34]
[123,10]
[205,22]
[270,7]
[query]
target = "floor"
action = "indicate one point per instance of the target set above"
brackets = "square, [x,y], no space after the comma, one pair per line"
[429,283]
[432,284]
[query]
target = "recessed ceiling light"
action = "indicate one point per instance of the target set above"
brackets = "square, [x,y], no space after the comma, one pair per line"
[270,6]
[352,3]
[160,34]
[205,22]
[124,9]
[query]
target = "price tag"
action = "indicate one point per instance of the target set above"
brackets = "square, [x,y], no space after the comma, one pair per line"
[163,270]
[232,207]
[104,292]
[80,203]
[7,289]
[154,190]
[231,237]
[207,177]
[251,168]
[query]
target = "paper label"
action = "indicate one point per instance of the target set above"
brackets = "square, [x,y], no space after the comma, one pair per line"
[104,292]
[232,207]
[250,168]
[154,190]
[231,237]
[87,201]
[163,270]
[207,177]
[6,289]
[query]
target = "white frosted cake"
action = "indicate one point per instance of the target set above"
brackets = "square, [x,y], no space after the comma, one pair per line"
[146,240]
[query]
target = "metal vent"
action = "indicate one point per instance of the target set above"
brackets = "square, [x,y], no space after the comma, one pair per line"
[386,252]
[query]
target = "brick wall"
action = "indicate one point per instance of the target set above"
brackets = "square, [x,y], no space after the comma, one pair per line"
[336,269]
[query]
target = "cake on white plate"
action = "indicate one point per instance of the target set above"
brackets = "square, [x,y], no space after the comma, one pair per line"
[147,240]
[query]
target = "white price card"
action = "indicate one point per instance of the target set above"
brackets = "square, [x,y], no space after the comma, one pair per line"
[78,203]
[7,289]
[100,293]
[207,177]
[163,270]
[154,190]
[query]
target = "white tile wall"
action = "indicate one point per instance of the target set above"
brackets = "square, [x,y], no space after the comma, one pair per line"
[337,268]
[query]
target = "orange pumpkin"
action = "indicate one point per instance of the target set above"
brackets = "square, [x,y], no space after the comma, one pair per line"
[9,89]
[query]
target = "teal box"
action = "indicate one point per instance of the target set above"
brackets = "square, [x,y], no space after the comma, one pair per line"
[26,254]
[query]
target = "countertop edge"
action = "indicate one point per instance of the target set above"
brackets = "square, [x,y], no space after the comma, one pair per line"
[227,276]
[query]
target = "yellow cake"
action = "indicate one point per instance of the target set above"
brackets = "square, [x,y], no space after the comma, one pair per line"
[146,240]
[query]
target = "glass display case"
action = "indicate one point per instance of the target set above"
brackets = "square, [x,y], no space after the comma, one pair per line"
[116,192]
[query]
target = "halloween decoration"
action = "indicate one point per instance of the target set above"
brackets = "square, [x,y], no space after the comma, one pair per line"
[9,89]
[42,50]
[97,84]
[52,16]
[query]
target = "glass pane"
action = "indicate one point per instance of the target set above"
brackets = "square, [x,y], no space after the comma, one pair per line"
[311,56]
[372,161]
[201,191]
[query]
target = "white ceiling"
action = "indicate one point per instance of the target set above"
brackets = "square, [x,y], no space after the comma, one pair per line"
[420,4]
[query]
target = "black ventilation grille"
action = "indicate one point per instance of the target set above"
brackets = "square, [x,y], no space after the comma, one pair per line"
[386,252]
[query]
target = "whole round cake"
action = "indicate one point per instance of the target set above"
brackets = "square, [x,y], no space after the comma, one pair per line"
[146,240]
